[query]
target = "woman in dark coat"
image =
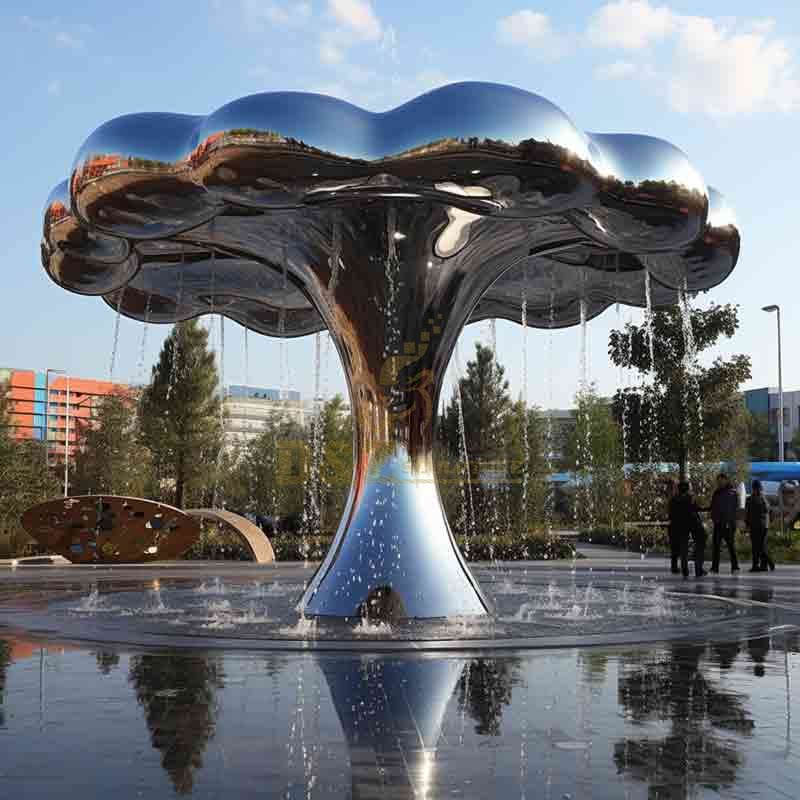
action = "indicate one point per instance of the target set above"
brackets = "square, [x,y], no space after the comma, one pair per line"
[756,518]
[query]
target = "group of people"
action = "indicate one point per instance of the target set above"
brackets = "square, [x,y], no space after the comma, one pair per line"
[685,525]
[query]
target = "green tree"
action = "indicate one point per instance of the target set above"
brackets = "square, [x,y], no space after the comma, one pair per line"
[178,694]
[485,405]
[527,467]
[485,402]
[24,480]
[337,461]
[690,409]
[180,415]
[110,458]
[594,451]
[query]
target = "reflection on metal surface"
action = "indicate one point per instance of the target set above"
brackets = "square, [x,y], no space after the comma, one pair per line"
[254,539]
[104,528]
[391,711]
[395,230]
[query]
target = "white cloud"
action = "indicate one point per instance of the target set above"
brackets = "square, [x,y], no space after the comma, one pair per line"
[533,31]
[353,22]
[714,66]
[258,12]
[357,17]
[331,51]
[615,70]
[73,37]
[389,42]
[720,71]
[66,39]
[630,24]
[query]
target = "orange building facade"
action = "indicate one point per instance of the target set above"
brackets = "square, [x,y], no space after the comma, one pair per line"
[52,406]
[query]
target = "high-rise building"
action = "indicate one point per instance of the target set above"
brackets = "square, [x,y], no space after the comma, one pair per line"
[764,402]
[52,406]
[248,409]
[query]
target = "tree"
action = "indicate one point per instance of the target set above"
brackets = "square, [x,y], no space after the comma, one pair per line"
[25,479]
[593,450]
[180,414]
[684,409]
[178,694]
[110,458]
[337,461]
[485,403]
[527,467]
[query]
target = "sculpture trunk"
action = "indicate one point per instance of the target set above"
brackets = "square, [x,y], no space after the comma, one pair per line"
[395,324]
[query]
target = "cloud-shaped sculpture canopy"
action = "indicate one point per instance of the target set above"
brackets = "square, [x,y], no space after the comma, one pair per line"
[293,212]
[169,216]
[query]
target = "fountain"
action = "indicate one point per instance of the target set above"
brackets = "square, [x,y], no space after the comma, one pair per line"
[291,213]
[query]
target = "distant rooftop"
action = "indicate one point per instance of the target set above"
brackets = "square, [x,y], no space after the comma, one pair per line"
[237,391]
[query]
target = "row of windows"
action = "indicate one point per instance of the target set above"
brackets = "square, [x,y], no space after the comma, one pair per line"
[791,416]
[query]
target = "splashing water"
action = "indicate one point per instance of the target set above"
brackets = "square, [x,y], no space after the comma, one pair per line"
[311,523]
[584,496]
[115,344]
[526,446]
[140,374]
[92,603]
[550,500]
[468,507]
[282,352]
[692,399]
[215,587]
[246,359]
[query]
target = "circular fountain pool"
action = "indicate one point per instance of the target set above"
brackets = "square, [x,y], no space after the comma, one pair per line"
[256,610]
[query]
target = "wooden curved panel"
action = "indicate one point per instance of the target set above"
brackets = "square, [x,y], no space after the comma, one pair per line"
[106,528]
[254,538]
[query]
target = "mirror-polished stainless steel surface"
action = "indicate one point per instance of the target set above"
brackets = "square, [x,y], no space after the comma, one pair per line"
[391,712]
[292,212]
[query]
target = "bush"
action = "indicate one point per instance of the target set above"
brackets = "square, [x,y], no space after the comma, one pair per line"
[648,539]
[481,547]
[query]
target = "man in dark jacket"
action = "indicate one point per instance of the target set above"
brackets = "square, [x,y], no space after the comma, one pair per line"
[724,507]
[684,520]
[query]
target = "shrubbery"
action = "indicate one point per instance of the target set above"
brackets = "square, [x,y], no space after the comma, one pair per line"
[481,547]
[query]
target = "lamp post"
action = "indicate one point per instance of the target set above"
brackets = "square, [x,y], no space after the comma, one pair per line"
[777,309]
[66,445]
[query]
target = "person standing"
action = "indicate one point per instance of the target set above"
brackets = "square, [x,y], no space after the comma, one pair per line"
[724,506]
[684,520]
[756,518]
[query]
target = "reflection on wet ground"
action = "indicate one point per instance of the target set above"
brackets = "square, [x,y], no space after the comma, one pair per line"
[681,719]
[678,721]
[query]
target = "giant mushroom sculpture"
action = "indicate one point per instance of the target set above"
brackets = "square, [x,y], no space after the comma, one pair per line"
[291,213]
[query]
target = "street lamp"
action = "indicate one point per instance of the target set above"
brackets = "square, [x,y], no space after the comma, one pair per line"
[777,309]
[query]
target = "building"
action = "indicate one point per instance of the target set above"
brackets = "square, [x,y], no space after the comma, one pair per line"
[248,409]
[764,402]
[65,401]
[564,422]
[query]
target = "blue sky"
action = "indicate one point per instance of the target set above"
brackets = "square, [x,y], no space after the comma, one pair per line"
[718,79]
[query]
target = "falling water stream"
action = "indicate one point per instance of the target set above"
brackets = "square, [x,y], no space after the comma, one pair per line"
[549,508]
[115,344]
[693,401]
[140,368]
[468,507]
[526,447]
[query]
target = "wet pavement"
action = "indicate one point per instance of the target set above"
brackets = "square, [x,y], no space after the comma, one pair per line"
[694,717]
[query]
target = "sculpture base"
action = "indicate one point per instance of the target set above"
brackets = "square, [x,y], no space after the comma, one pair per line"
[394,556]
